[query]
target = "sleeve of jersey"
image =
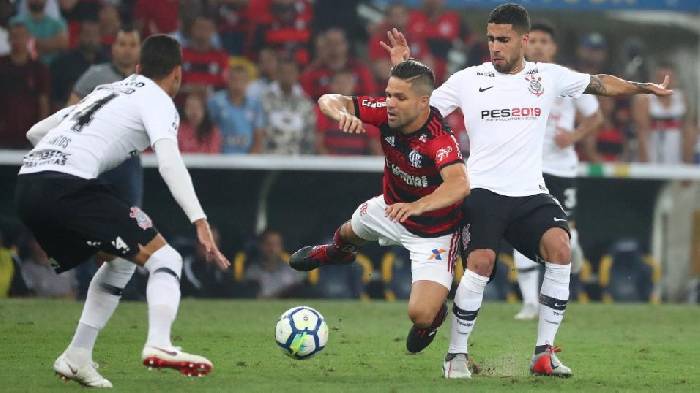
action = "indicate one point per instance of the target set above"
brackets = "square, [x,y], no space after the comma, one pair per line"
[445,151]
[371,110]
[570,83]
[446,97]
[587,104]
[177,178]
[160,118]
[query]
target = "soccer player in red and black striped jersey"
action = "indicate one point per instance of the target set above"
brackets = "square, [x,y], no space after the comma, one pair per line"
[425,181]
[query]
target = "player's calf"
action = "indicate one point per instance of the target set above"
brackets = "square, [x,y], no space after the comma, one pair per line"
[420,337]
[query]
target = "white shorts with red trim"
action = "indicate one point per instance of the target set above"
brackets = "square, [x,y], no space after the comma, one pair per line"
[432,258]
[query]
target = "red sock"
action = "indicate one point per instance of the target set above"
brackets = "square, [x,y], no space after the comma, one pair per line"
[342,246]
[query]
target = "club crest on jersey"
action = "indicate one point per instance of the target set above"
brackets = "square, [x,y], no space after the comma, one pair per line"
[391,140]
[535,87]
[415,159]
[142,219]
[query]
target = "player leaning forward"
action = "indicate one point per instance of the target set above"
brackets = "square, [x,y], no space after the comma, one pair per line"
[424,183]
[506,103]
[74,216]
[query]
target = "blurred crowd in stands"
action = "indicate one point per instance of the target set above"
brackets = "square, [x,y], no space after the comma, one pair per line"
[254,68]
[252,71]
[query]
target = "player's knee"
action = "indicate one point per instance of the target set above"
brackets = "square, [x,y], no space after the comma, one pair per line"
[557,249]
[165,260]
[421,317]
[481,262]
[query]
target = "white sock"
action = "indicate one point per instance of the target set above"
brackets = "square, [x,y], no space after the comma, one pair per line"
[467,303]
[528,278]
[162,294]
[553,298]
[576,253]
[102,299]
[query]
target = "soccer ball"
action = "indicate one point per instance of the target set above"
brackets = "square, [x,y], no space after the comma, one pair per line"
[301,332]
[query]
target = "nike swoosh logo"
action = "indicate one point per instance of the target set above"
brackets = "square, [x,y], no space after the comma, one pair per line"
[171,353]
[559,220]
[553,323]
[431,334]
[73,370]
[483,89]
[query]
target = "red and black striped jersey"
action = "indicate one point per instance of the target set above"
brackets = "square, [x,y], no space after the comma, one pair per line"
[413,163]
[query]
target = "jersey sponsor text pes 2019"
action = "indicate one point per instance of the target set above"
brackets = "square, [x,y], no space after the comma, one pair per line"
[413,163]
[108,126]
[505,116]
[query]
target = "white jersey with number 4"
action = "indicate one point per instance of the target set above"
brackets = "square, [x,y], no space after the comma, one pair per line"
[555,160]
[506,117]
[108,126]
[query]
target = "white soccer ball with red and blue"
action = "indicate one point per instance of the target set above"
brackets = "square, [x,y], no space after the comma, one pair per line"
[301,332]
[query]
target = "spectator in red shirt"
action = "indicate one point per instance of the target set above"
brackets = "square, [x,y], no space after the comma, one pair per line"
[156,16]
[333,55]
[396,17]
[286,27]
[440,28]
[197,133]
[24,97]
[331,139]
[203,66]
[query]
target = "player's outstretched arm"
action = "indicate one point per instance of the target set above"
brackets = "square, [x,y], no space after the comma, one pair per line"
[175,175]
[454,188]
[40,129]
[611,86]
[341,109]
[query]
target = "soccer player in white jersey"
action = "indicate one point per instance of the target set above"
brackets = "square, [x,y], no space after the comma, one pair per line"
[506,103]
[75,216]
[559,162]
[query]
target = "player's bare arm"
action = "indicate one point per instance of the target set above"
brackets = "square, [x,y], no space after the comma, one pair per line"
[589,125]
[454,188]
[341,109]
[611,86]
[642,125]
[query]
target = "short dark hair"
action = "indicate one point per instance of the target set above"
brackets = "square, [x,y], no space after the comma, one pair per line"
[544,27]
[413,71]
[511,14]
[160,54]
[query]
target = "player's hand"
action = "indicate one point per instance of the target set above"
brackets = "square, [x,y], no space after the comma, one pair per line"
[563,138]
[398,48]
[399,212]
[662,89]
[350,123]
[206,239]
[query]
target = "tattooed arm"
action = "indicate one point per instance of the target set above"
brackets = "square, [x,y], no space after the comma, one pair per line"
[611,86]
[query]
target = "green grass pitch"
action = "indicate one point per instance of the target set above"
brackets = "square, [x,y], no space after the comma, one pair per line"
[635,348]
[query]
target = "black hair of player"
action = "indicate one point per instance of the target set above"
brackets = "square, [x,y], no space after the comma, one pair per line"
[160,54]
[416,73]
[545,27]
[511,14]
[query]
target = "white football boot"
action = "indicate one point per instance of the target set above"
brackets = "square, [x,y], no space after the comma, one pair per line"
[528,312]
[186,363]
[86,375]
[456,366]
[548,364]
